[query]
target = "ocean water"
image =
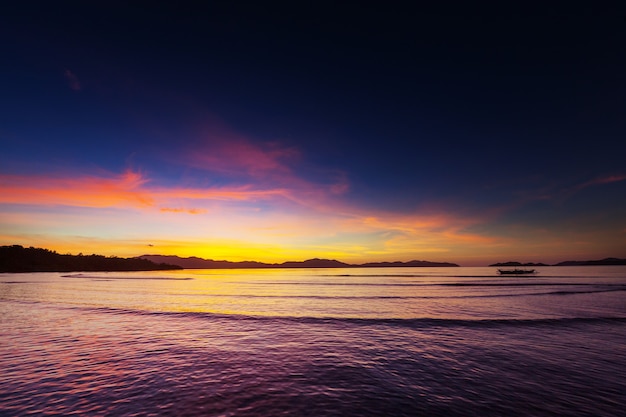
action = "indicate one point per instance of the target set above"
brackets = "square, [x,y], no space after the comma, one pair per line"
[315,342]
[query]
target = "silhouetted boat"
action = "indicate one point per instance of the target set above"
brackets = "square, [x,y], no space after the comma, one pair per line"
[516,271]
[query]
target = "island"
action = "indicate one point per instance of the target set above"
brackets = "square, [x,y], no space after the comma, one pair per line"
[513,263]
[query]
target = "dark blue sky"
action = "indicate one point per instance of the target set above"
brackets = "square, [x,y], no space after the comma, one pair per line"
[513,118]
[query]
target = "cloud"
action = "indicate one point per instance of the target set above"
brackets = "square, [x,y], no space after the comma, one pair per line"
[208,152]
[226,157]
[601,181]
[232,222]
[182,210]
[237,157]
[420,226]
[134,190]
[259,194]
[72,80]
[130,189]
[562,194]
[86,191]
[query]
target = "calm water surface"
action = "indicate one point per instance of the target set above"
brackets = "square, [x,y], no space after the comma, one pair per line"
[315,342]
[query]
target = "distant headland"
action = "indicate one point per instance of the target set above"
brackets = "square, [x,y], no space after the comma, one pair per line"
[605,262]
[16,258]
[199,263]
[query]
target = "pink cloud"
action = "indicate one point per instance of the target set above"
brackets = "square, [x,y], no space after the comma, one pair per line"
[133,190]
[264,166]
[225,156]
[238,157]
[570,191]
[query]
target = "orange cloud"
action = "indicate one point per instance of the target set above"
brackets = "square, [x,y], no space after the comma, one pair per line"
[125,189]
[182,210]
[421,227]
[298,216]
[129,189]
[315,214]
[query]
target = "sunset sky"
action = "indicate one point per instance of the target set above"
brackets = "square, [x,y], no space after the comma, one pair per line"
[244,131]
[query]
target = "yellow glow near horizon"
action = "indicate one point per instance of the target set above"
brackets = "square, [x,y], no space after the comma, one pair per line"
[125,216]
[235,251]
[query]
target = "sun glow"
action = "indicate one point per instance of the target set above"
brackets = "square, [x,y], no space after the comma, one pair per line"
[130,215]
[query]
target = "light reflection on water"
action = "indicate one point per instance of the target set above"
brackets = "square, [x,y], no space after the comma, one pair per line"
[468,293]
[375,342]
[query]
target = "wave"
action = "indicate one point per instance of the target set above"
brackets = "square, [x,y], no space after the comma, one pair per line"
[139,278]
[427,284]
[413,323]
[404,276]
[333,284]
[416,323]
[443,322]
[538,276]
[400,297]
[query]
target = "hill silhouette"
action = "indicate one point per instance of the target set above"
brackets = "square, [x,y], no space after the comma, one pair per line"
[199,263]
[19,259]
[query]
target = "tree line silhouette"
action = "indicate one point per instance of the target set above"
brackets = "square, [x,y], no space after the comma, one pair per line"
[16,258]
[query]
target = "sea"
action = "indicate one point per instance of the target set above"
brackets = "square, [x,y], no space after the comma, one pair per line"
[314,342]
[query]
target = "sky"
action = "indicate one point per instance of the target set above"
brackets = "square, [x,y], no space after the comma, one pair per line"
[353,131]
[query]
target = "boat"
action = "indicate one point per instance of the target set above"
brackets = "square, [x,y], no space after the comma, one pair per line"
[516,271]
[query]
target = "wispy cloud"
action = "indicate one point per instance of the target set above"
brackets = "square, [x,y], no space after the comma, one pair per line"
[278,214]
[226,157]
[601,181]
[255,197]
[560,193]
[72,80]
[237,157]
